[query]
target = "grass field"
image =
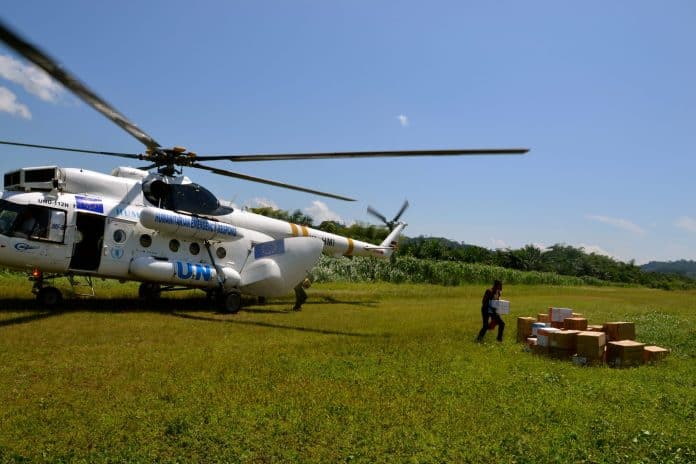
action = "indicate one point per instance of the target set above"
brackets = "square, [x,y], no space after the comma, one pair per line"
[365,373]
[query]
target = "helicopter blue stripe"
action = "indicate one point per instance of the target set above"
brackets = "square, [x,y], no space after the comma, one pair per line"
[94,205]
[275,247]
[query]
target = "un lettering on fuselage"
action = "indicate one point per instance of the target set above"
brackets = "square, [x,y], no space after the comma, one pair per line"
[186,271]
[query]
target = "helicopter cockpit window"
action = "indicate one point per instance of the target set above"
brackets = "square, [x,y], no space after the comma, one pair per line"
[158,193]
[31,222]
[191,198]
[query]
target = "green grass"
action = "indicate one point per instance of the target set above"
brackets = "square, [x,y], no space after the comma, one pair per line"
[365,373]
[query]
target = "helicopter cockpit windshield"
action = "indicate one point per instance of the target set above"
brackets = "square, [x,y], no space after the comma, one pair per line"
[191,198]
[31,222]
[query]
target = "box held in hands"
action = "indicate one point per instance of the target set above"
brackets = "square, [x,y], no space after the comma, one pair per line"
[501,306]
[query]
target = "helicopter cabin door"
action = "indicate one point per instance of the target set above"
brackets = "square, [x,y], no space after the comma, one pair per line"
[89,239]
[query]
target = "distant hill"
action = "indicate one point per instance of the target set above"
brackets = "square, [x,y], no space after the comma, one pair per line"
[682,267]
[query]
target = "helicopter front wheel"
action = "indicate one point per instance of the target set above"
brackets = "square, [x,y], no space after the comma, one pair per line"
[49,297]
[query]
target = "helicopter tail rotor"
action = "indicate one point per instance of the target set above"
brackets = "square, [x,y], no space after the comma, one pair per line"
[390,224]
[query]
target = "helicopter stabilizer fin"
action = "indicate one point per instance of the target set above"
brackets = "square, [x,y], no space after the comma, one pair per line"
[390,243]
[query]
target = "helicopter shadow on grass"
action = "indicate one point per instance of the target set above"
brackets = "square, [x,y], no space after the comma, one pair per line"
[96,305]
[188,308]
[23,306]
[331,300]
[272,325]
[278,307]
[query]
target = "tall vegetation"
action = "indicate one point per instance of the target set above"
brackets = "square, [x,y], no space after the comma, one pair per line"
[559,259]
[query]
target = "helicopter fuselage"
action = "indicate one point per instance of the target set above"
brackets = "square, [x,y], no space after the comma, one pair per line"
[74,221]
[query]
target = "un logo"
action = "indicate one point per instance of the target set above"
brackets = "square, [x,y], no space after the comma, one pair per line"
[117,253]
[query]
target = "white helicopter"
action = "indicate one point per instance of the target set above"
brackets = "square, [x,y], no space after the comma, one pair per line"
[154,225]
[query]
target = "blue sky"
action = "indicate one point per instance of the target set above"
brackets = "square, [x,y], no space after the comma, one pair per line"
[601,92]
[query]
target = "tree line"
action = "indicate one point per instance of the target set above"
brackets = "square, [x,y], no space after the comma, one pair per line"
[560,259]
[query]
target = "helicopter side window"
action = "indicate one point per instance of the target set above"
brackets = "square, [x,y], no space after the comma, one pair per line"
[56,225]
[194,248]
[8,216]
[32,222]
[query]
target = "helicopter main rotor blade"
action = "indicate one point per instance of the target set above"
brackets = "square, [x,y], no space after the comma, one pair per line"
[401,211]
[377,214]
[365,154]
[50,65]
[78,150]
[237,175]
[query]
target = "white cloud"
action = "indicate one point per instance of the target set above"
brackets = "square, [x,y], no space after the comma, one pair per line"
[33,79]
[540,246]
[403,120]
[262,203]
[596,249]
[618,222]
[686,223]
[320,212]
[498,243]
[9,104]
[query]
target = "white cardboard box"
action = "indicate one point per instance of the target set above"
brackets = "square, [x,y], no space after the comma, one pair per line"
[559,314]
[501,306]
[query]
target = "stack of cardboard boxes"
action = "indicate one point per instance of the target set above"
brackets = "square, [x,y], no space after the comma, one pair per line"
[563,334]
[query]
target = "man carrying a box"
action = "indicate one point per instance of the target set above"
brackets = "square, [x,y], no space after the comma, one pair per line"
[488,312]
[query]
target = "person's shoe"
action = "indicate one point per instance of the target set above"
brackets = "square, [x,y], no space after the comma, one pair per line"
[297,308]
[499,340]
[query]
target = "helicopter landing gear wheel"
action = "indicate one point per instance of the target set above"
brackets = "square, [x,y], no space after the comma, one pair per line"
[49,297]
[149,291]
[231,302]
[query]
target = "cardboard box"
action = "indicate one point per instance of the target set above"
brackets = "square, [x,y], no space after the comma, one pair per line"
[558,314]
[625,353]
[564,340]
[544,334]
[557,325]
[620,331]
[575,323]
[591,344]
[524,328]
[501,306]
[653,354]
[595,328]
[536,326]
[577,315]
[543,317]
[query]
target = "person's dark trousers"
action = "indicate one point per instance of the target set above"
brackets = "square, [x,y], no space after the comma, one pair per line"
[501,326]
[484,328]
